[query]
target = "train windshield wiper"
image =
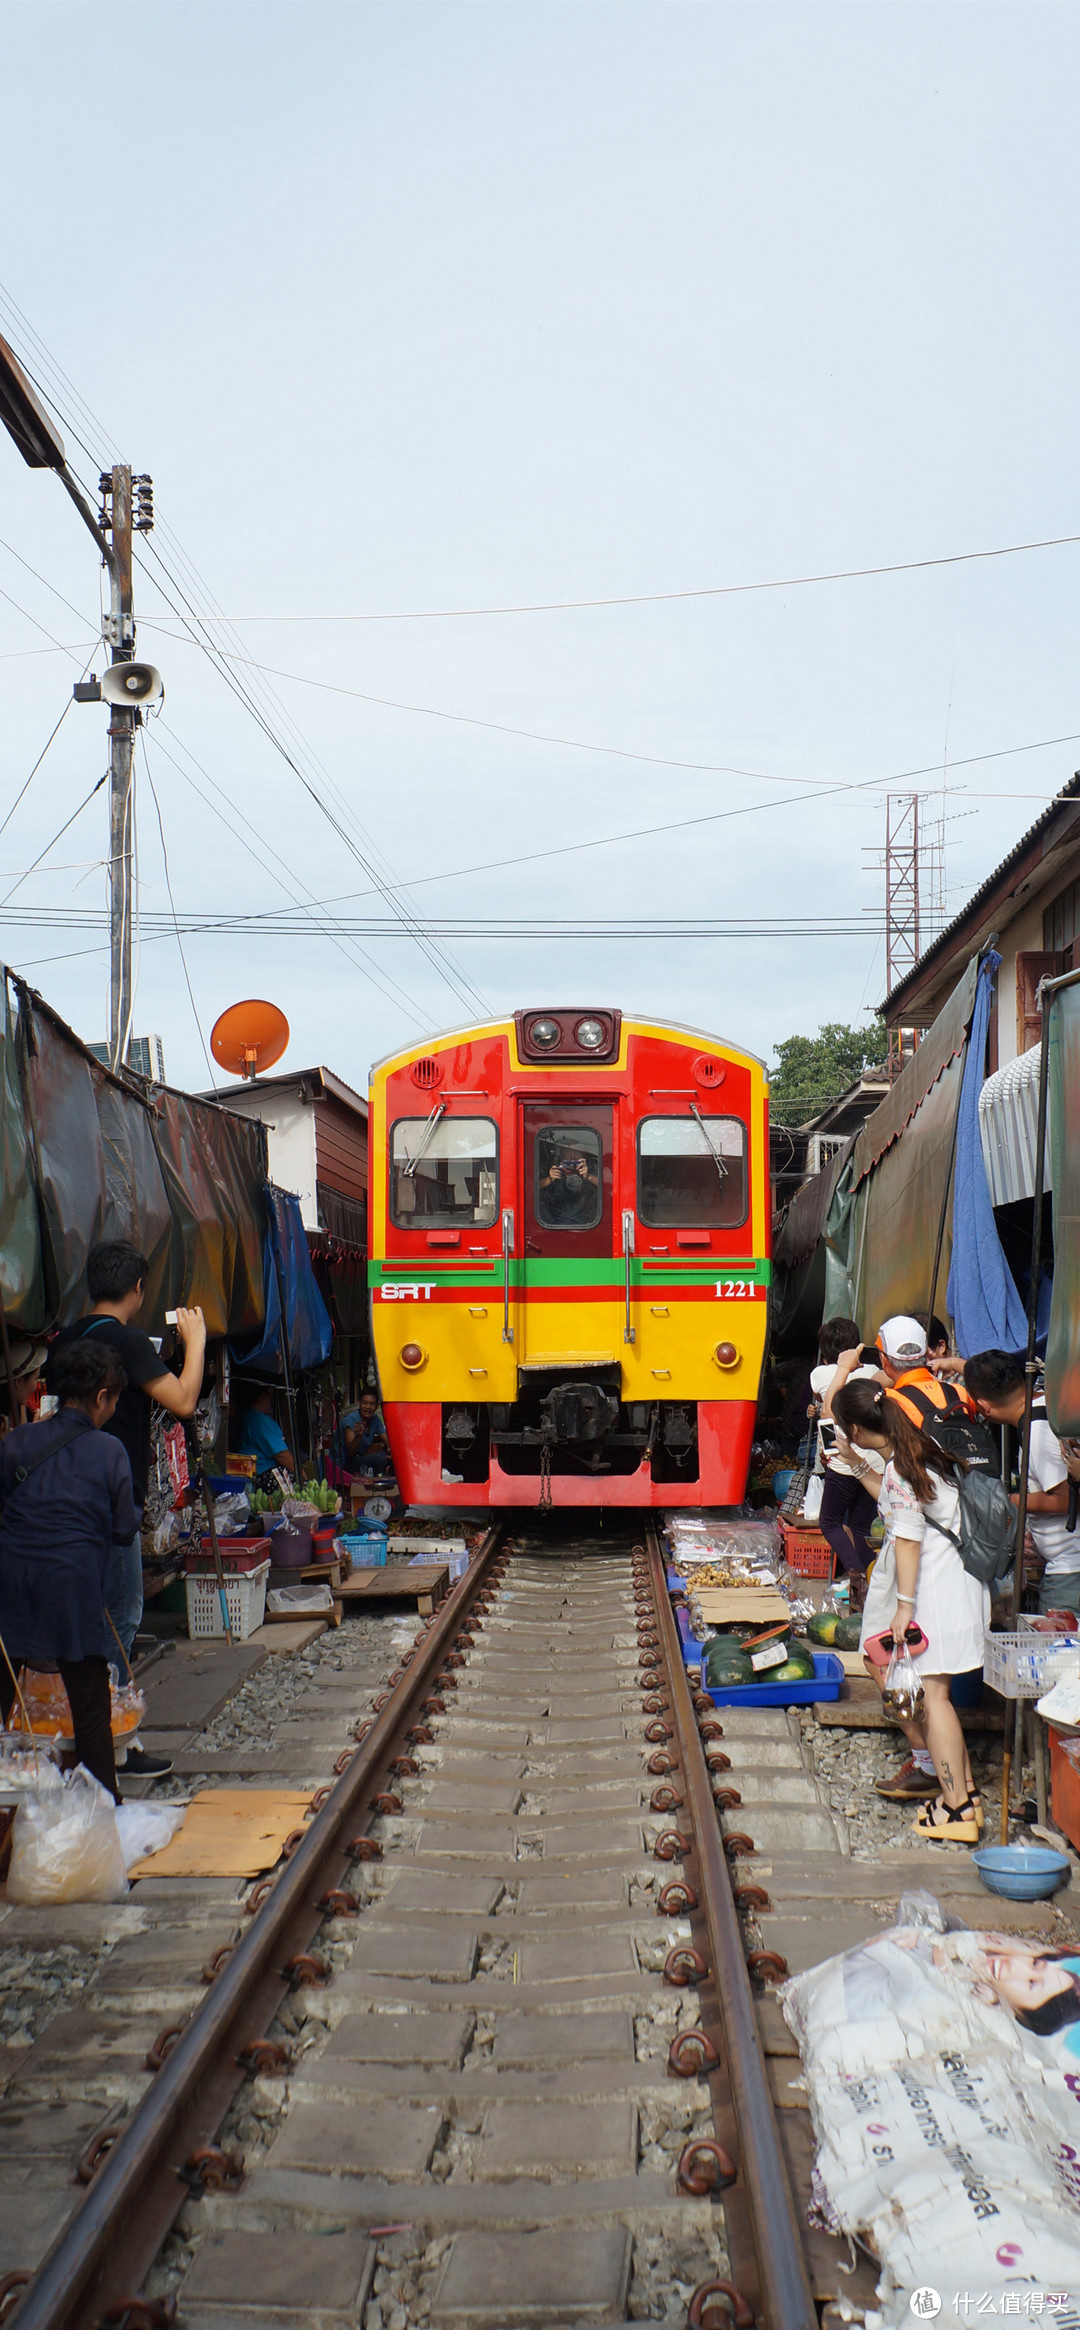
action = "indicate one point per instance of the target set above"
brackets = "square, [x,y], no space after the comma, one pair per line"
[713,1151]
[426,1137]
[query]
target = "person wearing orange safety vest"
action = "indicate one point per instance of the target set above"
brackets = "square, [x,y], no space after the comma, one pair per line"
[943,1410]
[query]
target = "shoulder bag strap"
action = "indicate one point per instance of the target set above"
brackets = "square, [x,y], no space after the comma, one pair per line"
[23,1471]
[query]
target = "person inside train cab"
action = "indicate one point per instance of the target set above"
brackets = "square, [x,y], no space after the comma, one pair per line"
[566,1191]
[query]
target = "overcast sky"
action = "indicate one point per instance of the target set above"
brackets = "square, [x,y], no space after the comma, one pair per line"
[409,308]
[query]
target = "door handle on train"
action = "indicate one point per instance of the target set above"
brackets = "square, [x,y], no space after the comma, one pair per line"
[507,1250]
[629,1335]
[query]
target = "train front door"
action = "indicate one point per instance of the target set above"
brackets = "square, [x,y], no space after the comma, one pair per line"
[566,1216]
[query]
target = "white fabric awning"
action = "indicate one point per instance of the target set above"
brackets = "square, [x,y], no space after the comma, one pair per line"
[1008,1126]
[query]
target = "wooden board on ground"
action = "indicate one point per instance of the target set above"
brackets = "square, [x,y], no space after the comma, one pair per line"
[852,1661]
[280,1636]
[860,1710]
[229,1832]
[425,1584]
[719,1604]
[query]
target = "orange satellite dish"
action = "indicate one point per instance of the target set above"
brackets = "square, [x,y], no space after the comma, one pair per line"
[249,1036]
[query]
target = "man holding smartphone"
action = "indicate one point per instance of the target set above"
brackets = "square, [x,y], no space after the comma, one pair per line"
[115,1281]
[847,1512]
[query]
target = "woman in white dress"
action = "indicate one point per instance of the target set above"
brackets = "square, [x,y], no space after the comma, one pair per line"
[920,1577]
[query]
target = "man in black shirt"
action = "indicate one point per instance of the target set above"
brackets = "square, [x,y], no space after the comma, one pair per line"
[115,1279]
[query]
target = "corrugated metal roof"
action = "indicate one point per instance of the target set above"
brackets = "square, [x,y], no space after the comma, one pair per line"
[1009,1128]
[981,897]
[940,1044]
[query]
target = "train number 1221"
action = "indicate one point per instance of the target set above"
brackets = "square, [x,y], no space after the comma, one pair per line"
[733,1290]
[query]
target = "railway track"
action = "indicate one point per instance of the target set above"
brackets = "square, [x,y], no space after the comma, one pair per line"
[525,2078]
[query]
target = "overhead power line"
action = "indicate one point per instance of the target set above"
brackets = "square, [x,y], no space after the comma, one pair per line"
[818,785]
[790,582]
[59,391]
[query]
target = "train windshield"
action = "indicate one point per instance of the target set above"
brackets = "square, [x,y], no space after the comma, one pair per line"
[444,1171]
[692,1172]
[569,1192]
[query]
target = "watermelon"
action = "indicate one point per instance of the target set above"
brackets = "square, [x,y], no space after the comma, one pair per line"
[823,1628]
[799,1668]
[726,1666]
[847,1634]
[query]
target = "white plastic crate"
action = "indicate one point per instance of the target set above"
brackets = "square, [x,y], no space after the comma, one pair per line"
[1023,1665]
[245,1597]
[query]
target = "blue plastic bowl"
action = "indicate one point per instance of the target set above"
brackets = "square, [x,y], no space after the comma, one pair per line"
[780,1484]
[1021,1872]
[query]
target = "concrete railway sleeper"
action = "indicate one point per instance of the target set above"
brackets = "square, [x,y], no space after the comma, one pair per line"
[531,2085]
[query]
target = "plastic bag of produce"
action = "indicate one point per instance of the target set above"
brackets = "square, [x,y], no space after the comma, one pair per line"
[146,1828]
[21,1761]
[811,1504]
[903,1696]
[65,1843]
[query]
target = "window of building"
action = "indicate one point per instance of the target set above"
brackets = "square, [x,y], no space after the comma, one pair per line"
[446,1172]
[1061,921]
[569,1193]
[691,1173]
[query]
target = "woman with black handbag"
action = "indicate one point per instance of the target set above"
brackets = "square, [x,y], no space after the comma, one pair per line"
[66,1494]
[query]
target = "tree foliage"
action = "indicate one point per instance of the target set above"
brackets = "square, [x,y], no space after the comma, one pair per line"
[812,1070]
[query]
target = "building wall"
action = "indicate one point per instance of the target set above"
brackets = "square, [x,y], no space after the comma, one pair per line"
[1024,936]
[341,1147]
[290,1140]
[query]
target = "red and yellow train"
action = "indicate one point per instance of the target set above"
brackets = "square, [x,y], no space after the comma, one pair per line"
[569,1262]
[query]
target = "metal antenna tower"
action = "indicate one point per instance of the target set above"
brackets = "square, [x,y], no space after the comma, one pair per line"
[902,934]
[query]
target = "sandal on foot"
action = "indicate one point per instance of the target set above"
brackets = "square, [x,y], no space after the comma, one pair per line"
[958,1825]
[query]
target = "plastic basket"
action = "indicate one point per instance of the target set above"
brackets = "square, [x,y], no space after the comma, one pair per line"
[807,1553]
[245,1597]
[366,1550]
[827,1684]
[1023,1665]
[238,1555]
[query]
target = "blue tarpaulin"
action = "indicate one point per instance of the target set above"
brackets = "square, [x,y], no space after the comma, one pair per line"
[984,1303]
[287,1266]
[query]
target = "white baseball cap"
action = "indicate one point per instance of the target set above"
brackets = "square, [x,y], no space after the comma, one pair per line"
[902,1338]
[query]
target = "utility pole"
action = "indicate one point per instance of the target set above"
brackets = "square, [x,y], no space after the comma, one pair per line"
[116,521]
[127,508]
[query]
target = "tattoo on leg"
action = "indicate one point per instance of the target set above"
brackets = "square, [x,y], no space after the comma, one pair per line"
[947,1776]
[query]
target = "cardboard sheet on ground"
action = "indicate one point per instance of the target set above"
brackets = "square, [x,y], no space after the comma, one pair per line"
[721,1604]
[229,1832]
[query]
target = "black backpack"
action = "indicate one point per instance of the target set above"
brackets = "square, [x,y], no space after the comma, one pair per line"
[986,1542]
[961,1435]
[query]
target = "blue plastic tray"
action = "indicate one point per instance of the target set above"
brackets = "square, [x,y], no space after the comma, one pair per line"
[828,1677]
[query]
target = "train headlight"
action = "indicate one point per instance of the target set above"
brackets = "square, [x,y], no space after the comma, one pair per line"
[726,1355]
[591,1034]
[545,1034]
[412,1356]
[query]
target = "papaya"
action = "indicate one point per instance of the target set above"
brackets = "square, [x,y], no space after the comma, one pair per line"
[847,1634]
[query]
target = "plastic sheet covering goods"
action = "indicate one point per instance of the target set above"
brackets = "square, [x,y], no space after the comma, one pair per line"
[944,2077]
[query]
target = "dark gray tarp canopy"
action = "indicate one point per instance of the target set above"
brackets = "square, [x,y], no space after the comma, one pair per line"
[86,1155]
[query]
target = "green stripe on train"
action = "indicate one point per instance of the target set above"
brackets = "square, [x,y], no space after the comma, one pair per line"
[588,1271]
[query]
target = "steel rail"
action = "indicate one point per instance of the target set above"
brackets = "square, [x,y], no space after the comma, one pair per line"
[108,2247]
[764,2236]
